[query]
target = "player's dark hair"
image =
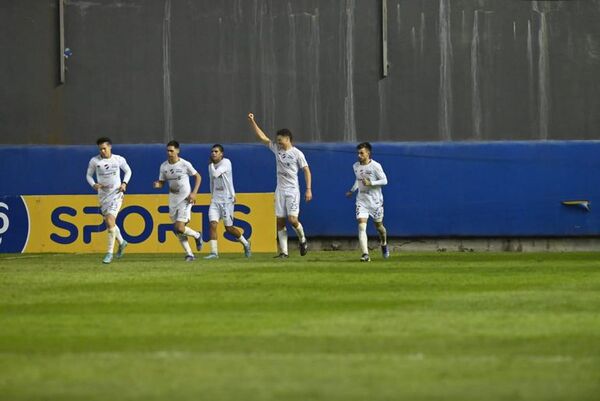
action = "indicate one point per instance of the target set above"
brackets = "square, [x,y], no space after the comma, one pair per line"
[365,145]
[175,144]
[285,132]
[218,146]
[103,139]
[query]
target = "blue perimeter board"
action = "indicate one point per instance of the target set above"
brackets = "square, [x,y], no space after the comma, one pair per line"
[437,189]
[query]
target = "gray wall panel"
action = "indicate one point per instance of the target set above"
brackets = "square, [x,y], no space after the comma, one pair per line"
[151,70]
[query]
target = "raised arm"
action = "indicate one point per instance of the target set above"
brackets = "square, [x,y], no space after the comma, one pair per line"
[257,131]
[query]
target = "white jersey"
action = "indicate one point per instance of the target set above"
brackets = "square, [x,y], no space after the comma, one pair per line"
[108,175]
[177,175]
[288,163]
[369,195]
[221,181]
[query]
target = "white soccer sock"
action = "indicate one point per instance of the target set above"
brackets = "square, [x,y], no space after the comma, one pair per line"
[283,240]
[191,233]
[362,238]
[382,235]
[111,239]
[213,247]
[118,235]
[243,240]
[183,240]
[300,232]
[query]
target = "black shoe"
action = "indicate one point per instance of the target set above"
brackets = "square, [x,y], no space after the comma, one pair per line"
[365,258]
[281,256]
[303,248]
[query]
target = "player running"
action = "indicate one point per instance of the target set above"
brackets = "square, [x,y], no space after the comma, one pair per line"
[370,177]
[220,172]
[287,194]
[176,172]
[106,166]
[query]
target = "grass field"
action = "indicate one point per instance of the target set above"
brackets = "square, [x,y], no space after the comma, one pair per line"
[324,327]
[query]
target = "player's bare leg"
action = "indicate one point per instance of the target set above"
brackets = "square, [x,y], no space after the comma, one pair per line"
[183,233]
[382,238]
[214,247]
[363,240]
[300,233]
[238,234]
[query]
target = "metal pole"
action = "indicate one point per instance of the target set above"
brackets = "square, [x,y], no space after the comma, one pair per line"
[61,28]
[384,34]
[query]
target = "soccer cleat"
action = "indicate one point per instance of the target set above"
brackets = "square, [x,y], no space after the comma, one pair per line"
[198,242]
[365,258]
[211,256]
[385,252]
[107,258]
[303,248]
[121,249]
[247,252]
[281,256]
[190,258]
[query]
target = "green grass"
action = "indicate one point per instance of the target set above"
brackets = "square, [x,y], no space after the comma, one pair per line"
[324,327]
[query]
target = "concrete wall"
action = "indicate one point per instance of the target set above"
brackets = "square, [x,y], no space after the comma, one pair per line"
[146,71]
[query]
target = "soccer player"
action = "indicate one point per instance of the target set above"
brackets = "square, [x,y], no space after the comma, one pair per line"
[222,201]
[287,194]
[370,177]
[176,172]
[106,166]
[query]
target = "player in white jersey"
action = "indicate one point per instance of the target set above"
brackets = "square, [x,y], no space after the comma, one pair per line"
[287,194]
[220,172]
[107,169]
[176,172]
[370,177]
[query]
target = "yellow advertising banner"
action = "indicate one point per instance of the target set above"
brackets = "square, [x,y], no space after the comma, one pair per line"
[73,223]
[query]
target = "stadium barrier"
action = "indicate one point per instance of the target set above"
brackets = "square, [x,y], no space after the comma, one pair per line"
[475,189]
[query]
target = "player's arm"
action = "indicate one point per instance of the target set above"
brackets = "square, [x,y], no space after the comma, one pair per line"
[158,184]
[127,170]
[308,180]
[381,178]
[192,195]
[257,131]
[90,177]
[218,171]
[353,189]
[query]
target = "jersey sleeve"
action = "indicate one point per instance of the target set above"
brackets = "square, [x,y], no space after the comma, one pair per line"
[190,169]
[301,160]
[273,146]
[126,169]
[161,174]
[380,175]
[90,172]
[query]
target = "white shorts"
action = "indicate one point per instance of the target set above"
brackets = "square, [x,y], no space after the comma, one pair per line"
[221,211]
[364,211]
[112,205]
[181,212]
[287,203]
